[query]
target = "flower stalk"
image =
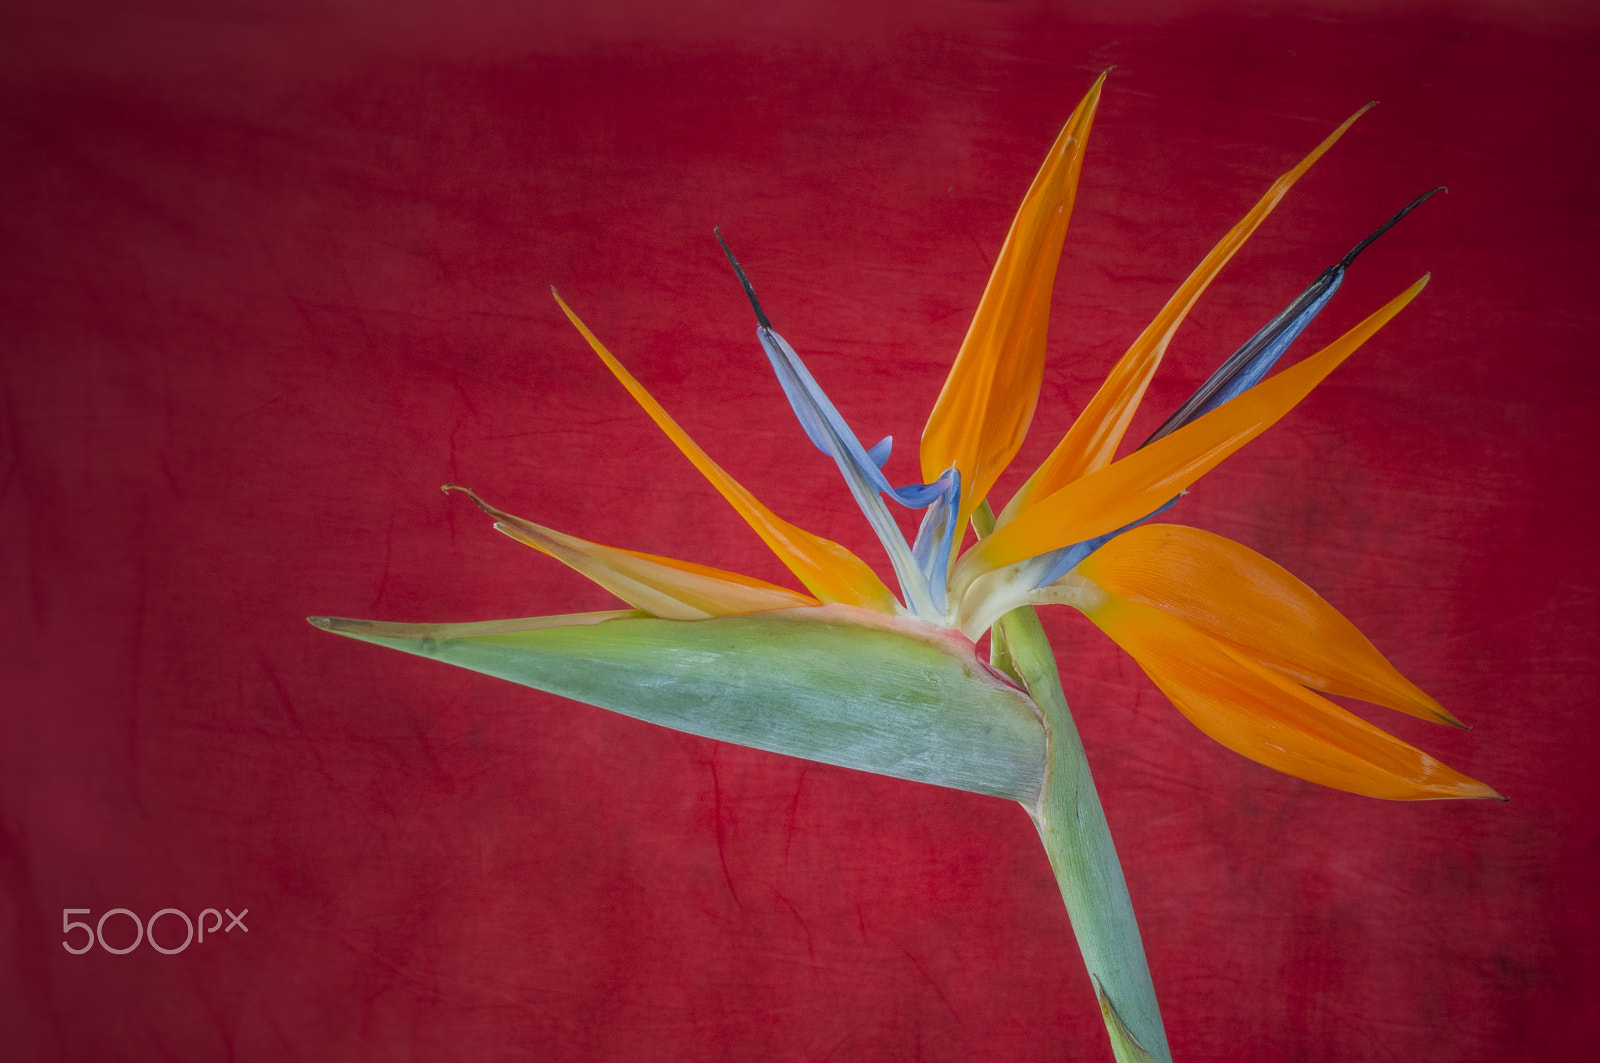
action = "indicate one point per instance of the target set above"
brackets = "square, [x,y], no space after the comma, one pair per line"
[1072,825]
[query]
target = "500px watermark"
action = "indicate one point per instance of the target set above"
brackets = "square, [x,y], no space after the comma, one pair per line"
[145,931]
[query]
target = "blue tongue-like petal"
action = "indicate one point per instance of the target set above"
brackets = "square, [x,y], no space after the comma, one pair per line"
[921,570]
[923,584]
[879,452]
[936,537]
[1246,367]
[1045,569]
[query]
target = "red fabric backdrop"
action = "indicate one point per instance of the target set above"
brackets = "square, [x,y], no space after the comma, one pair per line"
[273,273]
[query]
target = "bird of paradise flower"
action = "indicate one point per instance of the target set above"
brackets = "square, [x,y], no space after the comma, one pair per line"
[852,674]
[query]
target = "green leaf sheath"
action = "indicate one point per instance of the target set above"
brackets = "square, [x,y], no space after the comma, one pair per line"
[1078,840]
[811,683]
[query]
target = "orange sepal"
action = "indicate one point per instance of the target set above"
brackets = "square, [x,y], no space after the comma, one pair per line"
[1147,479]
[1092,440]
[828,570]
[1235,594]
[983,412]
[1274,721]
[661,586]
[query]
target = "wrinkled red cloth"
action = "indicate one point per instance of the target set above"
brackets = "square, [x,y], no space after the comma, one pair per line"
[275,273]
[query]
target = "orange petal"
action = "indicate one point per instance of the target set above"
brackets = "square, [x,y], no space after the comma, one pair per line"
[1147,479]
[1233,593]
[1093,439]
[661,586]
[1260,714]
[827,569]
[989,397]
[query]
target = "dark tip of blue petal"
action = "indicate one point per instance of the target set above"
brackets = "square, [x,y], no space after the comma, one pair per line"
[738,271]
[1344,263]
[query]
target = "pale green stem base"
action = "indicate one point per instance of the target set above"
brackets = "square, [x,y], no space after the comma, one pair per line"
[1078,840]
[1073,827]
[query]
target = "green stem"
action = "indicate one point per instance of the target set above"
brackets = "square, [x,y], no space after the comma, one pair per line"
[1078,840]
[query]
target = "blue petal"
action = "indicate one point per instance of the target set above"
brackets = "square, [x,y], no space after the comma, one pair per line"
[1246,367]
[1047,568]
[936,537]
[922,570]
[923,585]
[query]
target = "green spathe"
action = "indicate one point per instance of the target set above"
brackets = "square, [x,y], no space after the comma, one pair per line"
[833,683]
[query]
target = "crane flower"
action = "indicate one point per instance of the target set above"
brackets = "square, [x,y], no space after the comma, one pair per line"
[853,671]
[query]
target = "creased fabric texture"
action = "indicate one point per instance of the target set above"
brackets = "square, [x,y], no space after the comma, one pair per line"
[273,276]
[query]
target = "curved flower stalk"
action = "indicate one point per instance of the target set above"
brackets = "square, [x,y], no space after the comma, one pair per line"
[850,673]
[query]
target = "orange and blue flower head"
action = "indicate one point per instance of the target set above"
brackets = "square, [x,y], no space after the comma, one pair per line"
[852,673]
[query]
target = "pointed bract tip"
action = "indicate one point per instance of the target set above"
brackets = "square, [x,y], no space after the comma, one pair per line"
[323,622]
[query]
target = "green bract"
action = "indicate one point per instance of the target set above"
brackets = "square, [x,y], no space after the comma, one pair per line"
[836,684]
